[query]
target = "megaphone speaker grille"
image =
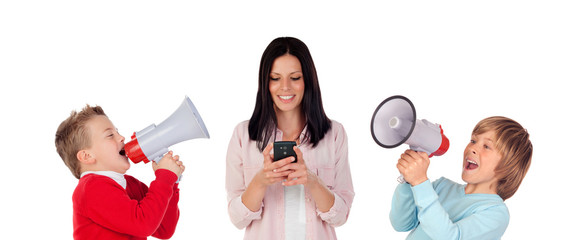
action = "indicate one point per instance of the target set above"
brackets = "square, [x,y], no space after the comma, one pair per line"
[393,121]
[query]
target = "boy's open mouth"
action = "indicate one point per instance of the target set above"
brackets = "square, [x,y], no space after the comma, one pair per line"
[470,165]
[122,152]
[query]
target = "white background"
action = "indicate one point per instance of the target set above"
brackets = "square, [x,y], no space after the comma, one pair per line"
[458,61]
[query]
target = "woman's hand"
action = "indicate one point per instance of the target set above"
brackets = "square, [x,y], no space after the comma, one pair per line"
[272,172]
[253,196]
[299,173]
[413,166]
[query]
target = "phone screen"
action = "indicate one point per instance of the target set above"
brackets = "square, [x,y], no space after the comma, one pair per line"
[283,149]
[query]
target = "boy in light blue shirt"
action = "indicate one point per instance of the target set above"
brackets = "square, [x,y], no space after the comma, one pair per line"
[494,164]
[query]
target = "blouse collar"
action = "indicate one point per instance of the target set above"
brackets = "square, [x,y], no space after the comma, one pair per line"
[302,136]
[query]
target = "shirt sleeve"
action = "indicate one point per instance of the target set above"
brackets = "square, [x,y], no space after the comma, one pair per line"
[239,214]
[489,222]
[342,187]
[168,226]
[403,210]
[109,205]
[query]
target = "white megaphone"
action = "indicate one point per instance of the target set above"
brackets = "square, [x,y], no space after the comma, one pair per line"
[394,122]
[151,143]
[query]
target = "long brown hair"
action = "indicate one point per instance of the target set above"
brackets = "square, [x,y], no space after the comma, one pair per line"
[263,122]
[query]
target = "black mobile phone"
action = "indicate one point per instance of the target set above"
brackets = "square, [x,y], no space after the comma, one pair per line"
[283,149]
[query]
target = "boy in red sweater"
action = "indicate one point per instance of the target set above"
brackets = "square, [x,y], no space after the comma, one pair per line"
[107,204]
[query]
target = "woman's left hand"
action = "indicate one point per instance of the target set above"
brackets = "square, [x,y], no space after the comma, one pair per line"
[301,174]
[323,197]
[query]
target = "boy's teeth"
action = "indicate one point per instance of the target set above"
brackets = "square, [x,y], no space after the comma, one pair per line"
[471,165]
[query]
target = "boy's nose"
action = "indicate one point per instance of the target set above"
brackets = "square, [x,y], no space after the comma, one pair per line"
[473,151]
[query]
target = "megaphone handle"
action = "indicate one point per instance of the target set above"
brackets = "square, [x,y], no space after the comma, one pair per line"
[400,179]
[159,154]
[418,149]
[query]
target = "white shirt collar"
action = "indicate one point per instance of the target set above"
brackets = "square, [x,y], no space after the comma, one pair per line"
[117,177]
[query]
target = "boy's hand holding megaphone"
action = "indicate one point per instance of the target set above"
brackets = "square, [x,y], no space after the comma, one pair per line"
[170,162]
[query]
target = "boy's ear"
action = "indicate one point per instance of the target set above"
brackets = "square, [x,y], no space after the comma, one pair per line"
[85,157]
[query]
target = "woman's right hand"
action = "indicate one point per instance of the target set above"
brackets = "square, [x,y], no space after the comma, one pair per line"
[270,173]
[253,196]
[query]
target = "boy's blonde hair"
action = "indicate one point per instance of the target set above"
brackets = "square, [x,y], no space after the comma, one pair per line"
[73,136]
[512,142]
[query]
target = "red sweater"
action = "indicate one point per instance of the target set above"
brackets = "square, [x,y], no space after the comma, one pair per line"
[102,209]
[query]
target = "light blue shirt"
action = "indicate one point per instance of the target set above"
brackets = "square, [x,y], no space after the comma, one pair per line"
[442,210]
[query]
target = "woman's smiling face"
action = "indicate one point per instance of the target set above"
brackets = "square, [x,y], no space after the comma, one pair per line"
[286,83]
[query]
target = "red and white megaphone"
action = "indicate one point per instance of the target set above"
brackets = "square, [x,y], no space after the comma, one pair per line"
[151,143]
[394,122]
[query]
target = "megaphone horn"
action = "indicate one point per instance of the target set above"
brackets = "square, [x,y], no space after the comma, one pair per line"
[152,142]
[394,122]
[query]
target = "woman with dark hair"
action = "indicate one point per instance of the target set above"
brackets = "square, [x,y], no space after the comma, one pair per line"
[303,198]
